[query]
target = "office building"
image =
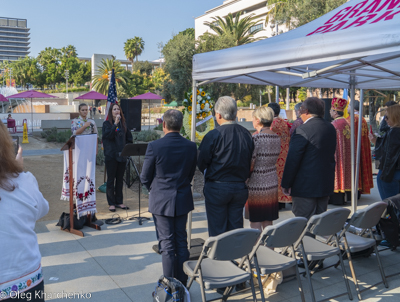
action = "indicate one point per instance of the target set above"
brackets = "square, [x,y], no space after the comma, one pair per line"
[14,39]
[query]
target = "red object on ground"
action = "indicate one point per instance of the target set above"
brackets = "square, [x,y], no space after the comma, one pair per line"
[370,129]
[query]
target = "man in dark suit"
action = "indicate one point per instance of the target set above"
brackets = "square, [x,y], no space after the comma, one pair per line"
[168,170]
[309,172]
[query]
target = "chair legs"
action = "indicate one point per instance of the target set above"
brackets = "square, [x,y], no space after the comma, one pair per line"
[353,273]
[344,270]
[380,266]
[300,285]
[260,285]
[203,293]
[307,272]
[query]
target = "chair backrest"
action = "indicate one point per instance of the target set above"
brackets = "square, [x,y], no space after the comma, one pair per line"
[369,216]
[328,223]
[231,245]
[284,233]
[10,123]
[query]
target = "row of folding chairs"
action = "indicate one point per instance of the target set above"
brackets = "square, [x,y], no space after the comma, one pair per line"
[230,258]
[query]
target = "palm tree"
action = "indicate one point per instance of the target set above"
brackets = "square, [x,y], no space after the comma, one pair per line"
[100,80]
[133,48]
[240,29]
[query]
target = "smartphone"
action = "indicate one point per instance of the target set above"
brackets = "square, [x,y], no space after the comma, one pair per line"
[16,143]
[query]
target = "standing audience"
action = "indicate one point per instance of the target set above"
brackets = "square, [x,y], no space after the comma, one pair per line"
[387,151]
[280,127]
[298,121]
[21,205]
[168,170]
[115,136]
[309,172]
[262,204]
[224,159]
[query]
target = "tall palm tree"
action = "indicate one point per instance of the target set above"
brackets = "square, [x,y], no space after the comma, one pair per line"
[133,48]
[100,80]
[240,29]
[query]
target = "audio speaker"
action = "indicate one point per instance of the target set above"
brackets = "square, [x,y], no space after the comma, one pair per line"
[132,110]
[327,115]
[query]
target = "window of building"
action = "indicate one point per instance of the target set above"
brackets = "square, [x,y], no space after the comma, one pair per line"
[12,34]
[255,27]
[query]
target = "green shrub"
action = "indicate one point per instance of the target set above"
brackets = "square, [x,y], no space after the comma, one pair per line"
[100,156]
[145,136]
[159,127]
[53,135]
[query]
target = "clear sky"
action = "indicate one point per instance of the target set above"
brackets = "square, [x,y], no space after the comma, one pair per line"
[103,26]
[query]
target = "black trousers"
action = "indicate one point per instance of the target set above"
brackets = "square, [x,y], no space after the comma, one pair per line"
[224,206]
[172,243]
[115,175]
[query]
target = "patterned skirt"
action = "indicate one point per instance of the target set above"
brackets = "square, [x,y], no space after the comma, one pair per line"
[262,203]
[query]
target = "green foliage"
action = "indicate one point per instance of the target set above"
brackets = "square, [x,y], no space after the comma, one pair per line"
[100,80]
[238,27]
[133,48]
[145,136]
[53,135]
[295,13]
[144,67]
[136,84]
[100,158]
[63,90]
[178,54]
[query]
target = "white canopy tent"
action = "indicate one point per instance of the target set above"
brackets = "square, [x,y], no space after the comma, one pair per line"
[354,46]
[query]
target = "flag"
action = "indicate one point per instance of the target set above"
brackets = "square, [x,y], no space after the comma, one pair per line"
[112,93]
[346,97]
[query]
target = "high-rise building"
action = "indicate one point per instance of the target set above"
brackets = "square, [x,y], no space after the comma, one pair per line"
[14,39]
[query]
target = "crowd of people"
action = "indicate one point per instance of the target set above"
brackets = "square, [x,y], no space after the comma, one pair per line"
[251,175]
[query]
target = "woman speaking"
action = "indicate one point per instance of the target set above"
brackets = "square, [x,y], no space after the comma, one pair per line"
[115,136]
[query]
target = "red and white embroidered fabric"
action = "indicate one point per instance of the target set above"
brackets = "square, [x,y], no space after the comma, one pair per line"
[84,170]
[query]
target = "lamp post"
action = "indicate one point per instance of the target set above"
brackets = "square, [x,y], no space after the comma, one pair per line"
[66,80]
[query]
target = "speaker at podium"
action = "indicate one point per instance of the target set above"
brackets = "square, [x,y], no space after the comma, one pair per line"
[132,110]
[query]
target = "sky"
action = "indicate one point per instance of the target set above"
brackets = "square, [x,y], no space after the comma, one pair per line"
[102,26]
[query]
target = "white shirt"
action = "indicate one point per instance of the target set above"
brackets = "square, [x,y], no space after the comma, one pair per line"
[19,211]
[308,119]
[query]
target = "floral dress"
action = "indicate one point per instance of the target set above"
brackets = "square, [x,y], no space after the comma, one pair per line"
[79,122]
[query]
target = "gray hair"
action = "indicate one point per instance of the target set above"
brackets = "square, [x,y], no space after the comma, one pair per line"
[226,106]
[173,120]
[297,106]
[265,115]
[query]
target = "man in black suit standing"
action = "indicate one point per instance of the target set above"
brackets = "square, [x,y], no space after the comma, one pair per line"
[309,172]
[168,170]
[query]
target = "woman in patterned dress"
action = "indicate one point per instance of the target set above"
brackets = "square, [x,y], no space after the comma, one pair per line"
[262,204]
[81,124]
[281,128]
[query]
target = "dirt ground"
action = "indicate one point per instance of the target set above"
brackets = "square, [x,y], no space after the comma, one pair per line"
[48,170]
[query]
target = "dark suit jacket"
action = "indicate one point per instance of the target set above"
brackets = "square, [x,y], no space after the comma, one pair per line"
[168,170]
[310,164]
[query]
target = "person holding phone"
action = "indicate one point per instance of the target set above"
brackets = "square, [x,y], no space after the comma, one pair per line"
[115,136]
[83,125]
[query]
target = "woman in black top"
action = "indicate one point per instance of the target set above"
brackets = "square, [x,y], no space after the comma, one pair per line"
[387,150]
[115,136]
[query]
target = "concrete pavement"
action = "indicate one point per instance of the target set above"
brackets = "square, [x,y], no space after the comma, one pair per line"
[118,264]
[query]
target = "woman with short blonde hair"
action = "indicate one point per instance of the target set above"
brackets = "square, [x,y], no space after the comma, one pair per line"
[262,204]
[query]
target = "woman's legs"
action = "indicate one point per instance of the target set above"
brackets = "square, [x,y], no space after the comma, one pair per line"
[119,182]
[111,167]
[260,225]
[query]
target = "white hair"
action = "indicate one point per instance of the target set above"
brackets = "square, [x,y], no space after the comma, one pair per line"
[226,106]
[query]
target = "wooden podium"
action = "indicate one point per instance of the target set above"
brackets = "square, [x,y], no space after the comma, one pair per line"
[70,145]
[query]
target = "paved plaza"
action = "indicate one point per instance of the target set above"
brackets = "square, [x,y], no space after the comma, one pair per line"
[118,264]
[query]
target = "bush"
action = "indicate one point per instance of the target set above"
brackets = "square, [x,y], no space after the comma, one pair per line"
[53,135]
[159,127]
[100,156]
[145,136]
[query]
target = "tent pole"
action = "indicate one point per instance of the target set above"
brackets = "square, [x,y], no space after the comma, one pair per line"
[193,138]
[360,115]
[31,116]
[277,94]
[352,96]
[287,98]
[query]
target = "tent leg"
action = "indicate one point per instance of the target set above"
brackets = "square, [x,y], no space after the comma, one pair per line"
[353,189]
[193,138]
[359,140]
[287,98]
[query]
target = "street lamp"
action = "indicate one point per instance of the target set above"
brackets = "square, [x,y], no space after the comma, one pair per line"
[66,79]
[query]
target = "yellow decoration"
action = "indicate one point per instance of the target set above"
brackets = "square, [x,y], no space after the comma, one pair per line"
[187,124]
[25,135]
[190,108]
[203,93]
[191,97]
[198,92]
[204,114]
[202,106]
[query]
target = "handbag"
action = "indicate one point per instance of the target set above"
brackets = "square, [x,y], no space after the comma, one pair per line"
[64,221]
[170,290]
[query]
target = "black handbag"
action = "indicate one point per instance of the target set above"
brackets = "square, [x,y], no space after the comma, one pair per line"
[169,290]
[64,221]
